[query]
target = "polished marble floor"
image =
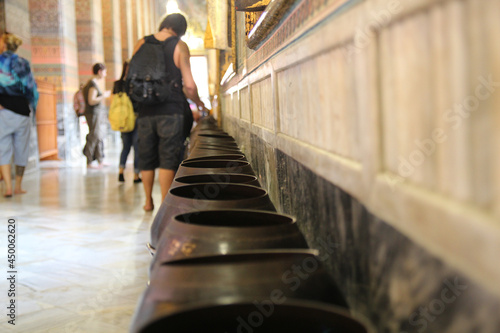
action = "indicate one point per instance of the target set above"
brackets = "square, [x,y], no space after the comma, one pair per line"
[81,254]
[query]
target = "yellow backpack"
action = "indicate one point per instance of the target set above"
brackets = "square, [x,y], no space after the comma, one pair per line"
[121,113]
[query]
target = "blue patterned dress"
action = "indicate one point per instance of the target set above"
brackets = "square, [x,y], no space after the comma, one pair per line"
[16,78]
[18,98]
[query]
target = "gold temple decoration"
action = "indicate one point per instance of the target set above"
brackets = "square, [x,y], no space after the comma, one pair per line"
[209,38]
[250,19]
[251,5]
[268,21]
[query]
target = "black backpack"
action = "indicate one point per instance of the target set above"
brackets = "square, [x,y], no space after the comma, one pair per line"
[147,80]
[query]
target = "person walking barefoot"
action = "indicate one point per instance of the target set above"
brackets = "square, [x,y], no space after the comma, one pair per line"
[18,98]
[160,126]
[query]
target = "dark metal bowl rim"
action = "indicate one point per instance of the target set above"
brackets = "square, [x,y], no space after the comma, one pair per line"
[242,253]
[228,156]
[178,179]
[244,163]
[293,220]
[250,302]
[211,184]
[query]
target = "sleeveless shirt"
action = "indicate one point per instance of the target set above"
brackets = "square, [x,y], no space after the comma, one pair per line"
[90,109]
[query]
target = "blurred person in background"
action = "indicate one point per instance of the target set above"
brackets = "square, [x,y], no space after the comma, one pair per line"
[18,98]
[95,114]
[129,139]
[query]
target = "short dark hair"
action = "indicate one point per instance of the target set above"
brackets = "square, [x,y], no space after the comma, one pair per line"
[175,21]
[97,67]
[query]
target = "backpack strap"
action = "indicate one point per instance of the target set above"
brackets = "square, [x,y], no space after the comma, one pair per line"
[151,39]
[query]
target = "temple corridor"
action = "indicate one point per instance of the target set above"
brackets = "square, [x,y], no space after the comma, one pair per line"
[374,123]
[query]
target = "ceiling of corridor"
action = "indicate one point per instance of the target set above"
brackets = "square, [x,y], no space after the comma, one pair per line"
[196,14]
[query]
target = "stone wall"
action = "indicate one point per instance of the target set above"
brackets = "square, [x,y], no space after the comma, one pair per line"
[374,122]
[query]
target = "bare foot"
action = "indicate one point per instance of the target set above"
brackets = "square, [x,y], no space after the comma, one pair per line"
[21,191]
[8,192]
[90,166]
[149,206]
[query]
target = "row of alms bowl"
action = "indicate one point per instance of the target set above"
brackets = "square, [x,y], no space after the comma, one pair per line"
[225,261]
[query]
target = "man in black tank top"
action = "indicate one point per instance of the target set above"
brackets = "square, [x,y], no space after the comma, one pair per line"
[160,126]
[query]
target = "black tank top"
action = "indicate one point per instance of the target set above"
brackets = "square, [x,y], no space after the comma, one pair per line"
[175,104]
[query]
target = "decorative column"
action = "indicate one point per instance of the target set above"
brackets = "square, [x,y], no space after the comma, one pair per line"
[89,33]
[12,12]
[112,40]
[153,22]
[55,60]
[146,15]
[133,21]
[139,19]
[127,42]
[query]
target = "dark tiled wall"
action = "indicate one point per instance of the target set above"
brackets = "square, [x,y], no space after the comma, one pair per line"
[399,286]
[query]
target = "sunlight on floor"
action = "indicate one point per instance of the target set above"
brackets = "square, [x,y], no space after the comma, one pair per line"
[81,255]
